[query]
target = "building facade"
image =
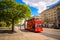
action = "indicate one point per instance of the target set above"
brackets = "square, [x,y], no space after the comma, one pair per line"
[51,16]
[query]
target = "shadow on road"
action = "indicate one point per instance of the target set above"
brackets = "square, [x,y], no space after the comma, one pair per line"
[7,31]
[24,30]
[28,31]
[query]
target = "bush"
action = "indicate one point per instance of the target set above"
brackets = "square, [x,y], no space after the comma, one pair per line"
[2,24]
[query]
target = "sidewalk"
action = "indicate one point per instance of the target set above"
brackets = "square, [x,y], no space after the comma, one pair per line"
[11,36]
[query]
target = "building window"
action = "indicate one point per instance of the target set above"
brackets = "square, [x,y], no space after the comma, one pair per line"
[58,10]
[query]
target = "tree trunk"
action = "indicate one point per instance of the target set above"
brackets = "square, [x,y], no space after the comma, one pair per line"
[12,25]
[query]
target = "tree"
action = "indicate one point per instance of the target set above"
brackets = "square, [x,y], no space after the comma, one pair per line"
[11,11]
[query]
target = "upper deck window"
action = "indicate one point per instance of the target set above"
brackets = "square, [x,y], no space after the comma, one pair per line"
[37,18]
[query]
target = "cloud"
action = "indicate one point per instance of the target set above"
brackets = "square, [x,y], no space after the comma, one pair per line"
[40,4]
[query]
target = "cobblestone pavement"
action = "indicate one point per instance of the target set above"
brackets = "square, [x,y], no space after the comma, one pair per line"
[24,35]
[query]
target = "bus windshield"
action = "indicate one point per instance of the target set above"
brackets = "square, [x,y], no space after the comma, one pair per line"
[37,18]
[38,25]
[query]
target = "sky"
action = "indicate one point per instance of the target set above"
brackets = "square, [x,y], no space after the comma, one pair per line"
[38,6]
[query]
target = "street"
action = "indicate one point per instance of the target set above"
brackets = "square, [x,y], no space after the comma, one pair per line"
[52,33]
[21,34]
[48,32]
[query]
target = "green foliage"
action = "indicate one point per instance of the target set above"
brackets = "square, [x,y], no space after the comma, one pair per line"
[8,24]
[17,21]
[10,10]
[2,24]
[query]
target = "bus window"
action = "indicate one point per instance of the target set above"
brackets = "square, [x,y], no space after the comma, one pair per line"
[37,18]
[38,25]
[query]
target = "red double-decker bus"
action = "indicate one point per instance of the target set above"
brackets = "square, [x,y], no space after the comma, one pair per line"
[33,24]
